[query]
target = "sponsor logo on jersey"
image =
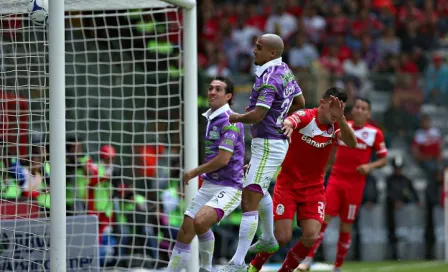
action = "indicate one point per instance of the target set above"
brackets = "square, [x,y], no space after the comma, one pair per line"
[361,146]
[312,142]
[214,134]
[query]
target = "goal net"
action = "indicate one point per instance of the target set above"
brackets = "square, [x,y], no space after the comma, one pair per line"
[124,135]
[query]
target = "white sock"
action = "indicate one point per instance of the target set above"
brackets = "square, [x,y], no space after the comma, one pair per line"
[248,228]
[206,247]
[179,257]
[265,209]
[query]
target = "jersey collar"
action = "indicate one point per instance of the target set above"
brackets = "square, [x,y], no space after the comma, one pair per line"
[260,69]
[210,116]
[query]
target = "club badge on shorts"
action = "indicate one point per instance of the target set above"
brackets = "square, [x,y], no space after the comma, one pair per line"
[280,209]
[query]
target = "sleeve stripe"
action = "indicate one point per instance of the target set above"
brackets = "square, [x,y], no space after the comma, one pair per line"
[300,93]
[233,128]
[225,148]
[263,105]
[381,151]
[265,85]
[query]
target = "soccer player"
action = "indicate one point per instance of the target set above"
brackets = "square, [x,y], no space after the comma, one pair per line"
[345,187]
[221,172]
[274,94]
[300,183]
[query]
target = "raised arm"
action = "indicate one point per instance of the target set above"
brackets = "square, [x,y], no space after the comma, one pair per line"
[251,117]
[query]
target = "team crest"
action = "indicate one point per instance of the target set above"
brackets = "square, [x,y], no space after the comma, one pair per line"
[214,134]
[365,134]
[280,209]
[330,130]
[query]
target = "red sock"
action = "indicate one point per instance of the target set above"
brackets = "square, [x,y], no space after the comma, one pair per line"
[343,247]
[260,259]
[318,241]
[295,257]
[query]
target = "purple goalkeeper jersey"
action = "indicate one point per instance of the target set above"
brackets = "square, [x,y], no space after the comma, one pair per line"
[220,134]
[275,87]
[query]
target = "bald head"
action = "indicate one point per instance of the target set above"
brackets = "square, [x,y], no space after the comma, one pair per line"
[273,42]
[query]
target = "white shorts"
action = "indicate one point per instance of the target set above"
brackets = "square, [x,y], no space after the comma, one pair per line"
[267,157]
[226,199]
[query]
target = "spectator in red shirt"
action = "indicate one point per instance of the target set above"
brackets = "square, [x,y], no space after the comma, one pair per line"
[366,24]
[426,148]
[344,51]
[407,66]
[337,22]
[409,13]
[255,19]
[293,8]
[331,62]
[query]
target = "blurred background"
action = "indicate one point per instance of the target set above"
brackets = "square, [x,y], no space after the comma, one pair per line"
[124,114]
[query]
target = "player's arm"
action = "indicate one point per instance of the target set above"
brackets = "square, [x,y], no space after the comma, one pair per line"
[252,117]
[381,152]
[229,136]
[297,103]
[331,159]
[346,134]
[264,102]
[219,161]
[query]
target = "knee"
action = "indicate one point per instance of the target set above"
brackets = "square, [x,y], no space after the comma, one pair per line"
[309,237]
[250,200]
[283,237]
[201,224]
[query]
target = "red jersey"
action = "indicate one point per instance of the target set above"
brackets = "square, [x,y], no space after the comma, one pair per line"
[369,139]
[311,144]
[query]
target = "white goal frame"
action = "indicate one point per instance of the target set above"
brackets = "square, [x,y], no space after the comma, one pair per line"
[56,42]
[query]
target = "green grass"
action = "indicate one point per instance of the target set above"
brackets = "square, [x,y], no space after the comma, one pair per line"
[397,266]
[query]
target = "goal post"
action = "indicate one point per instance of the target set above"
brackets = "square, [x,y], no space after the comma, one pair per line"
[78,81]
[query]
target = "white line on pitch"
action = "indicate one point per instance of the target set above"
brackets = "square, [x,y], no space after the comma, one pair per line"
[395,267]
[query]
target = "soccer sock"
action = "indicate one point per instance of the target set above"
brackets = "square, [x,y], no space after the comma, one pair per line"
[206,247]
[179,257]
[318,241]
[248,227]
[260,259]
[343,247]
[295,256]
[265,210]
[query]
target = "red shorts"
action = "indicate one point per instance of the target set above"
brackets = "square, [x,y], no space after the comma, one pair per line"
[309,203]
[344,198]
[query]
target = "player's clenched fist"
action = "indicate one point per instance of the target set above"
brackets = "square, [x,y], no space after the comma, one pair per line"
[189,175]
[233,118]
[364,169]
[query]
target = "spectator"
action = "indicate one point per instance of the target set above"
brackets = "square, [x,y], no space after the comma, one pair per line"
[255,19]
[366,24]
[218,67]
[409,95]
[332,63]
[436,90]
[409,13]
[302,54]
[426,148]
[407,66]
[337,22]
[400,191]
[397,121]
[388,43]
[356,67]
[410,38]
[344,52]
[281,23]
[369,51]
[243,35]
[314,24]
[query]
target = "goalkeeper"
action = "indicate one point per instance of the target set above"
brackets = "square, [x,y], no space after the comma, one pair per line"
[221,172]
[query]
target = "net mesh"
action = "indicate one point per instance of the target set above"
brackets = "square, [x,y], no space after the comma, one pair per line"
[124,141]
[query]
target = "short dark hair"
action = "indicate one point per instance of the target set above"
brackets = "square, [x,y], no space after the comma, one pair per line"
[229,86]
[336,92]
[366,100]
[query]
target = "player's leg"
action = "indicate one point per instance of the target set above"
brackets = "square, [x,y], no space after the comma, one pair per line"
[285,209]
[332,209]
[310,216]
[267,156]
[224,201]
[181,251]
[310,232]
[351,202]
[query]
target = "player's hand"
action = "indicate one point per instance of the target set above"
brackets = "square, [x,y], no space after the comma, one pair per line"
[233,118]
[364,169]
[336,108]
[189,175]
[245,167]
[287,128]
[247,109]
